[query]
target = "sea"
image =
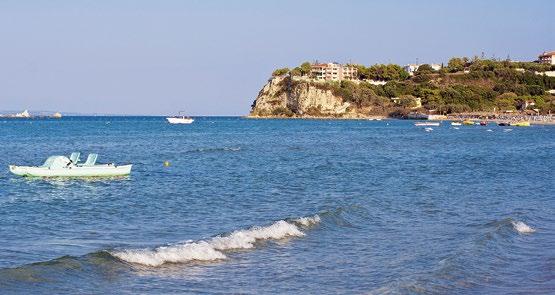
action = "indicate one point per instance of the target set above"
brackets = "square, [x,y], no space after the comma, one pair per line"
[229,205]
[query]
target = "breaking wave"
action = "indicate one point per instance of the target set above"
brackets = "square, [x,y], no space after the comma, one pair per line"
[522,227]
[215,248]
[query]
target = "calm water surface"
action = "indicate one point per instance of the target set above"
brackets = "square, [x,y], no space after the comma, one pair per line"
[280,206]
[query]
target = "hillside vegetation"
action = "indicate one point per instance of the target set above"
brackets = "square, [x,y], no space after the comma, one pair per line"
[461,86]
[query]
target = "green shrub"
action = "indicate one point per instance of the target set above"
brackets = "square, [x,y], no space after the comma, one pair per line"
[280,72]
[282,111]
[485,87]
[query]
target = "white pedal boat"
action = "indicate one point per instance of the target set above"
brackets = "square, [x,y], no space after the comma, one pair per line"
[61,166]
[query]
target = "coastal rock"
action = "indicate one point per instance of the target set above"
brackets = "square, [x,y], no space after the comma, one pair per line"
[284,96]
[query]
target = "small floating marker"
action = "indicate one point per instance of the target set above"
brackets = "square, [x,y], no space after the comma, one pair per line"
[166,163]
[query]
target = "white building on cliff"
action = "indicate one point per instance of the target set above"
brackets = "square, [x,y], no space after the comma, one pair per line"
[547,58]
[411,68]
[333,71]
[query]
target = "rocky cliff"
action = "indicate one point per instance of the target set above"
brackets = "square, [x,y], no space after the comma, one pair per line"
[288,97]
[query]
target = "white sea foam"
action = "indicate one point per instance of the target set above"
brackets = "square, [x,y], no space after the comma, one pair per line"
[201,251]
[522,227]
[245,239]
[214,248]
[308,221]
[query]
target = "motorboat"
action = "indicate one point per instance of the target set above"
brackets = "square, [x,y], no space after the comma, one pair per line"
[521,124]
[428,129]
[456,123]
[181,119]
[483,123]
[504,124]
[468,122]
[62,166]
[426,124]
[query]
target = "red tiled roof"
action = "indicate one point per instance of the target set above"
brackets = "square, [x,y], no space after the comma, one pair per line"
[548,53]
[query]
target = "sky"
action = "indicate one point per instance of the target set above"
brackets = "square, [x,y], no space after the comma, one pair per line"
[213,57]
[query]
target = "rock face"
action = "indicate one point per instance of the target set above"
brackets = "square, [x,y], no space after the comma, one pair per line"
[284,96]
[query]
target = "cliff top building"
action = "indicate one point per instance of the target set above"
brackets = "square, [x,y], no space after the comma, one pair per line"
[411,68]
[333,71]
[547,57]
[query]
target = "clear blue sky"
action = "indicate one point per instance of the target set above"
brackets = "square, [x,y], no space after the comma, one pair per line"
[212,57]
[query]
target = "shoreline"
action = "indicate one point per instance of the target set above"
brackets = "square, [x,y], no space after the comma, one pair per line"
[534,120]
[371,118]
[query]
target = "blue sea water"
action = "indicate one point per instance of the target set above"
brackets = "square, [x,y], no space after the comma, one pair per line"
[280,207]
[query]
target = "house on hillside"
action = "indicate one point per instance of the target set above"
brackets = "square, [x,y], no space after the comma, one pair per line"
[411,68]
[547,57]
[333,71]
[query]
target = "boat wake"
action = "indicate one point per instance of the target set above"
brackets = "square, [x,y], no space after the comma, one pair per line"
[215,248]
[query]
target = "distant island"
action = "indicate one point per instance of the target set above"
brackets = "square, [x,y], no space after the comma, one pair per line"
[485,87]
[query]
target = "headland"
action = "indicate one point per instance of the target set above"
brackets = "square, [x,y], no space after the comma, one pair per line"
[474,88]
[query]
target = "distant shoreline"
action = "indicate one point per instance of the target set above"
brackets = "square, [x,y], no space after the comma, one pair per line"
[320,118]
[535,120]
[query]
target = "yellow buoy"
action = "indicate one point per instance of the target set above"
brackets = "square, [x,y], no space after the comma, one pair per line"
[166,163]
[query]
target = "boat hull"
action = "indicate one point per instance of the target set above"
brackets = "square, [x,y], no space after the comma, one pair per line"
[180,120]
[75,171]
[427,124]
[521,124]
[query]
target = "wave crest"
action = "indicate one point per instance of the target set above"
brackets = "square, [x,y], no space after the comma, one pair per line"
[215,248]
[522,227]
[307,221]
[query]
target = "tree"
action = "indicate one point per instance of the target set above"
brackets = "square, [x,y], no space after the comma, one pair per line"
[305,68]
[362,72]
[422,78]
[297,72]
[408,101]
[280,72]
[506,101]
[400,73]
[424,69]
[456,64]
[387,72]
